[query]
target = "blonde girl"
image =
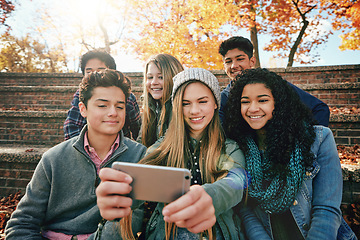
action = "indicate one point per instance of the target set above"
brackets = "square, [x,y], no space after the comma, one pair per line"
[158,84]
[194,140]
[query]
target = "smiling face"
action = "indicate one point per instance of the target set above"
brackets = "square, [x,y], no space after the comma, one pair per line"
[236,61]
[154,81]
[105,112]
[257,105]
[198,107]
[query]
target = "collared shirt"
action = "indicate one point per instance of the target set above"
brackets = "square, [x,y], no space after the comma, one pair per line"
[75,122]
[93,155]
[97,160]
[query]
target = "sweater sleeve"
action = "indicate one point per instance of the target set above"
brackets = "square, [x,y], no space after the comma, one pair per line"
[319,109]
[27,219]
[228,191]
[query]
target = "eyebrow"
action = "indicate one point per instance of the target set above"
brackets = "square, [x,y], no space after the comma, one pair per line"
[240,55]
[105,100]
[259,96]
[201,98]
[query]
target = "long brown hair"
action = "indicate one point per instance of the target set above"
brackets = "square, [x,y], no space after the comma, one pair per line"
[169,66]
[172,150]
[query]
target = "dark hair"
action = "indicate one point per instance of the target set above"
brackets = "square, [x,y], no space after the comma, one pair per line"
[241,43]
[107,78]
[290,126]
[98,54]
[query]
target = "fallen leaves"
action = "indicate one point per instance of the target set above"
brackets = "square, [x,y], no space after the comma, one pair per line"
[7,206]
[344,110]
[349,154]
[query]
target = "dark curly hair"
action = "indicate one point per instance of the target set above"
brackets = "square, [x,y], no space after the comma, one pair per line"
[98,54]
[291,124]
[107,78]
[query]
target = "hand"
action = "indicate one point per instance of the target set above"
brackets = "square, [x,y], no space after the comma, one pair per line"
[110,194]
[194,210]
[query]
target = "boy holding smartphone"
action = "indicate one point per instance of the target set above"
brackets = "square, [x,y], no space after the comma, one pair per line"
[60,200]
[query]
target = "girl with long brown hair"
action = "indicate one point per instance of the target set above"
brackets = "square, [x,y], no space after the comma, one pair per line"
[159,72]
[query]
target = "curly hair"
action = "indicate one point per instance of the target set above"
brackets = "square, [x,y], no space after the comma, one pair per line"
[107,78]
[290,126]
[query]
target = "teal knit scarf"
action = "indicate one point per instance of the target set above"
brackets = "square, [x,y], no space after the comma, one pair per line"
[272,193]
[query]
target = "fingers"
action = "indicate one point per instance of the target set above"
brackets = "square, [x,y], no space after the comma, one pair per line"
[193,211]
[109,174]
[111,192]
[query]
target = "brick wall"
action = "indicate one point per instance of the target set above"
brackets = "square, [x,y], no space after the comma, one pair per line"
[44,99]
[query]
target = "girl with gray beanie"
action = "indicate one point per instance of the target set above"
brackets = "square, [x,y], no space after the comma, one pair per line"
[194,140]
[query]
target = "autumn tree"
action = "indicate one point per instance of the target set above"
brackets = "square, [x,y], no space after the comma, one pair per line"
[6,8]
[347,19]
[29,55]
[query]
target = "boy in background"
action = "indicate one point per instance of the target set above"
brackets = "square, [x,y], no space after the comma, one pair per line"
[98,60]
[237,53]
[60,200]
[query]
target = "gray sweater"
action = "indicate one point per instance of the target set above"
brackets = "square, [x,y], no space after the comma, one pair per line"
[61,194]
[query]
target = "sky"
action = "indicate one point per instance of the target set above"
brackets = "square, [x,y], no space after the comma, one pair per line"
[23,21]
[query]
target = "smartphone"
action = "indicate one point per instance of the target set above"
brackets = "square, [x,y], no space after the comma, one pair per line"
[156,183]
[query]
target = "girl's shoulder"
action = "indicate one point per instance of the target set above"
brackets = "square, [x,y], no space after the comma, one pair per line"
[322,133]
[231,145]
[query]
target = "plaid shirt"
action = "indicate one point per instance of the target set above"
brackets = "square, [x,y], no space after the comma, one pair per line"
[75,122]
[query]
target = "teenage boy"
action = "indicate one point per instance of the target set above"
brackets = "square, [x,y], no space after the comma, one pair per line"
[60,200]
[98,60]
[237,53]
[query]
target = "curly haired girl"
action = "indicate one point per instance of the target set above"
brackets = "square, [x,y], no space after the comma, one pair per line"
[296,181]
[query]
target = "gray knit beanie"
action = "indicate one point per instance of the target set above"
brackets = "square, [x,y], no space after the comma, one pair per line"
[198,74]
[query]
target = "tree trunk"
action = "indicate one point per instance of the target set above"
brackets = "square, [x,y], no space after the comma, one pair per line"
[296,44]
[254,40]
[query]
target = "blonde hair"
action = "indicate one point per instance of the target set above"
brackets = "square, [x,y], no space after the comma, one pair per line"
[172,151]
[169,66]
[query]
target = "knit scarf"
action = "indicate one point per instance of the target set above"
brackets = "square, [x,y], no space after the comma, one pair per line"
[273,193]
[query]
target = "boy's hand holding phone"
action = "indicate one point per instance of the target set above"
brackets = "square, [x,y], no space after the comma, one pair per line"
[111,194]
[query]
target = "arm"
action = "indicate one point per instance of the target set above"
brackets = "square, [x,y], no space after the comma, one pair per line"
[197,210]
[319,109]
[252,225]
[224,98]
[133,111]
[327,189]
[233,184]
[27,220]
[74,121]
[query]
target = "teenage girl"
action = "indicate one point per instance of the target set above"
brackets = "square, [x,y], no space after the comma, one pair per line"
[194,140]
[295,186]
[159,72]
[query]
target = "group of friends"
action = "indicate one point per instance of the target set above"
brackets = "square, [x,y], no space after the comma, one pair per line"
[263,163]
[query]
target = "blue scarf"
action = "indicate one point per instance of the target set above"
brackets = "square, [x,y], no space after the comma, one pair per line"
[273,193]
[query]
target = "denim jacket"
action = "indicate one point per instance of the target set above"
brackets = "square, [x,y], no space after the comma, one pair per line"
[316,209]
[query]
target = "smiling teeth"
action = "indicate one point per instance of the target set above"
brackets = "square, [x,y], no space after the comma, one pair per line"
[255,116]
[195,119]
